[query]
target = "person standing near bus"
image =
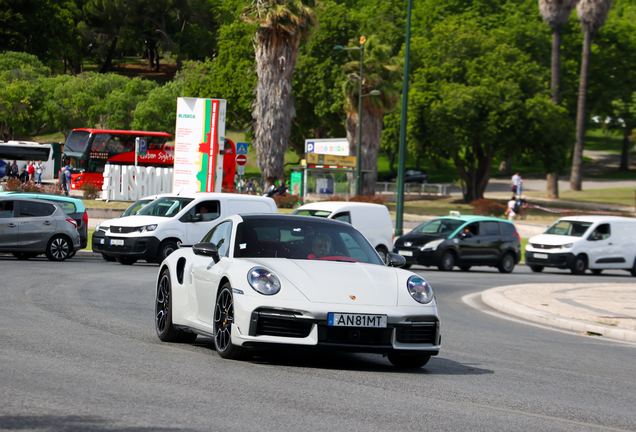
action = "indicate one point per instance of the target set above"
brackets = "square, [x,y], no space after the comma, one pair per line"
[15,171]
[67,177]
[31,170]
[38,170]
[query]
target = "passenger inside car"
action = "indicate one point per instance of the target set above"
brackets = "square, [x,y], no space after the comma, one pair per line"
[321,246]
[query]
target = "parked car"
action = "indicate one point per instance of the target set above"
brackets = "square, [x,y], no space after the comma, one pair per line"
[412,175]
[372,220]
[74,207]
[171,220]
[100,229]
[258,281]
[581,242]
[31,227]
[462,241]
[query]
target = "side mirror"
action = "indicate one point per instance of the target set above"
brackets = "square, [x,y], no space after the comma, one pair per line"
[208,250]
[466,235]
[395,260]
[197,218]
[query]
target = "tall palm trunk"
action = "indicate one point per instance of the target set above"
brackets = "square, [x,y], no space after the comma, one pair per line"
[274,105]
[552,188]
[577,157]
[371,137]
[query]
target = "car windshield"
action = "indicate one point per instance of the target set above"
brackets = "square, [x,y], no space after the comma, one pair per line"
[300,239]
[319,213]
[165,207]
[134,209]
[569,228]
[439,226]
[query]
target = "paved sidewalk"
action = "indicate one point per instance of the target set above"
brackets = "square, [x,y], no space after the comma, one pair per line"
[596,309]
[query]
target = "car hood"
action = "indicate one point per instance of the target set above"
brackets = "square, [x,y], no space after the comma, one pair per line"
[137,220]
[553,240]
[337,282]
[418,239]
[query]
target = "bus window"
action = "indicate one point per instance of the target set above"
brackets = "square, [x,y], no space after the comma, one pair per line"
[77,141]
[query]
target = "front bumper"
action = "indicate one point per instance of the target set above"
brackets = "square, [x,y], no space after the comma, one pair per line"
[134,247]
[560,260]
[98,241]
[424,258]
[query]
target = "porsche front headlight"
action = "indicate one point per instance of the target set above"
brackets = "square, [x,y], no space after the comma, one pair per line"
[263,281]
[419,289]
[432,245]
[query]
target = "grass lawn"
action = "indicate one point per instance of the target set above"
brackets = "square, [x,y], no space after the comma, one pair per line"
[622,196]
[89,246]
[609,141]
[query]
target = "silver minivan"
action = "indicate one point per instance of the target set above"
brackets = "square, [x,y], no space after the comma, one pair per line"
[30,227]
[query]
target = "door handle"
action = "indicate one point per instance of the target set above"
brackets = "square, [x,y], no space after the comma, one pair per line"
[11,225]
[609,244]
[47,222]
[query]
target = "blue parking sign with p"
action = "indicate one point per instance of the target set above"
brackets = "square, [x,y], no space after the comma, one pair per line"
[241,148]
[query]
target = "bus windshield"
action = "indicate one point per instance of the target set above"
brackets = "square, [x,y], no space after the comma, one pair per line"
[165,207]
[77,142]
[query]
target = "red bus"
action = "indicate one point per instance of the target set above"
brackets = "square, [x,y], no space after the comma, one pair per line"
[87,151]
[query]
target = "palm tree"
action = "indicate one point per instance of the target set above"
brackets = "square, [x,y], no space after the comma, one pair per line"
[282,24]
[381,72]
[592,14]
[555,13]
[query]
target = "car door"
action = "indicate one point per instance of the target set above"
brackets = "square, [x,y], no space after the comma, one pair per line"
[491,241]
[8,225]
[207,274]
[468,246]
[196,229]
[604,249]
[36,224]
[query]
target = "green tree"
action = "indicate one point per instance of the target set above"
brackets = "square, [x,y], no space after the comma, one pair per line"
[117,109]
[159,110]
[281,26]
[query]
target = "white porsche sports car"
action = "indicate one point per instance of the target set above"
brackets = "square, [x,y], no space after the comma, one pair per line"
[262,281]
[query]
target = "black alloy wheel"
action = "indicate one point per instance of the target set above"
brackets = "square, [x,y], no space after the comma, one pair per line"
[223,320]
[165,249]
[448,261]
[59,248]
[408,361]
[383,253]
[507,263]
[536,269]
[163,313]
[579,265]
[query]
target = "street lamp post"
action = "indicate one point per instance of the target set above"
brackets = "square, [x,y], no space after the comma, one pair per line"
[372,93]
[399,205]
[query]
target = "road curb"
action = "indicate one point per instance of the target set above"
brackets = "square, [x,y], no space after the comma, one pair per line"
[496,299]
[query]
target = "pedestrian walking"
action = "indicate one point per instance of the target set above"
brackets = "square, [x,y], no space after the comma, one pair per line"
[67,178]
[31,170]
[510,211]
[38,170]
[15,171]
[517,183]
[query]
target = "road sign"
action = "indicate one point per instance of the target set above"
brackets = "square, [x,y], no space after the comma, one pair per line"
[241,159]
[241,170]
[143,146]
[241,148]
[326,159]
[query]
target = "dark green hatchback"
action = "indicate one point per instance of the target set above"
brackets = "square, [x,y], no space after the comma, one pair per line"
[462,241]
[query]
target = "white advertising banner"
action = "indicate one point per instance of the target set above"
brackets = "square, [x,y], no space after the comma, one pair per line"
[200,133]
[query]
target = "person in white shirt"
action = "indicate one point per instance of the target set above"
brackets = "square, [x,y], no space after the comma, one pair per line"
[38,170]
[517,182]
[510,211]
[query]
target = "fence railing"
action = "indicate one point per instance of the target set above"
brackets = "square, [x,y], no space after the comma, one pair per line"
[413,188]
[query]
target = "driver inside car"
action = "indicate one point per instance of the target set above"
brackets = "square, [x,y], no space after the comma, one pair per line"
[320,247]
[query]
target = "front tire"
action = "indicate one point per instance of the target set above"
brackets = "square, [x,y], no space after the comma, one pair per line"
[507,264]
[536,269]
[109,258]
[448,261]
[223,320]
[165,249]
[163,313]
[579,266]
[59,248]
[408,361]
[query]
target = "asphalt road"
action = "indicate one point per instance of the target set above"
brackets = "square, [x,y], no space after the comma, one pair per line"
[78,352]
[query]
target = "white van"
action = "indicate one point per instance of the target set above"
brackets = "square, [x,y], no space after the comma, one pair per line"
[582,242]
[171,220]
[372,220]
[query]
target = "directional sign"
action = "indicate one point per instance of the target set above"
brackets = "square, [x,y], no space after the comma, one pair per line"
[241,148]
[241,159]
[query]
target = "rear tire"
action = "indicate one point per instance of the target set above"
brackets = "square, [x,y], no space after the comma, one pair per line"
[579,266]
[507,264]
[536,269]
[126,260]
[447,262]
[223,320]
[59,248]
[109,258]
[408,361]
[163,313]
